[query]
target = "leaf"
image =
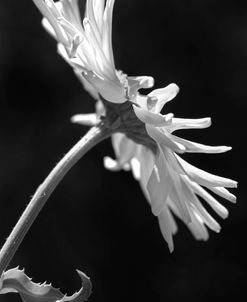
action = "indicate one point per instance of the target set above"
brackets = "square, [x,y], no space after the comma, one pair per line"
[16,281]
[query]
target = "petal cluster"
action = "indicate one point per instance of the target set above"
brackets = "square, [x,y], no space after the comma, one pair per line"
[86,45]
[172,185]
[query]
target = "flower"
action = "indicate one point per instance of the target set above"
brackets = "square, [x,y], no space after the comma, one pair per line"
[171,185]
[143,138]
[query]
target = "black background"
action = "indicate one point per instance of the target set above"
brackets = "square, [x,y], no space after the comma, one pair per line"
[99,221]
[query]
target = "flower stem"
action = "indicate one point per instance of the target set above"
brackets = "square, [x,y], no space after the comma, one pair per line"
[92,137]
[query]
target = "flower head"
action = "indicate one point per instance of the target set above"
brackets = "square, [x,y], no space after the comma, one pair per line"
[143,139]
[170,184]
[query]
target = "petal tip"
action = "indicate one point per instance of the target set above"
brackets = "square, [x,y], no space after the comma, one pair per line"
[171,247]
[174,87]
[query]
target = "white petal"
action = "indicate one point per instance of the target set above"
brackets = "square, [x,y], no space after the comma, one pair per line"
[111,164]
[98,12]
[160,184]
[46,24]
[141,100]
[136,83]
[68,27]
[90,119]
[163,96]
[147,160]
[179,200]
[152,118]
[127,150]
[141,81]
[104,67]
[136,168]
[204,178]
[205,216]
[197,227]
[70,10]
[180,123]
[165,227]
[107,31]
[223,193]
[196,147]
[116,141]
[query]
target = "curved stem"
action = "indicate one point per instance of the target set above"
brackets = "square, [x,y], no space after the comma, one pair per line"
[92,137]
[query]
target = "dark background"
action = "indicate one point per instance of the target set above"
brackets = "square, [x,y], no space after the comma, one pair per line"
[99,221]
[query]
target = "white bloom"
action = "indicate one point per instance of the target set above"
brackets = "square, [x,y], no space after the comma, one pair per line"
[143,140]
[171,185]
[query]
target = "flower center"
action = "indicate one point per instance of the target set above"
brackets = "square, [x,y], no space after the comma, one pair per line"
[122,118]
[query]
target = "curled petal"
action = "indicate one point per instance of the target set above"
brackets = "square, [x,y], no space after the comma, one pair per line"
[16,281]
[139,82]
[163,95]
[180,123]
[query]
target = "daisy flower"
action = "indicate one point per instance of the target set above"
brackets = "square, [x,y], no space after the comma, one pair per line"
[171,185]
[143,139]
